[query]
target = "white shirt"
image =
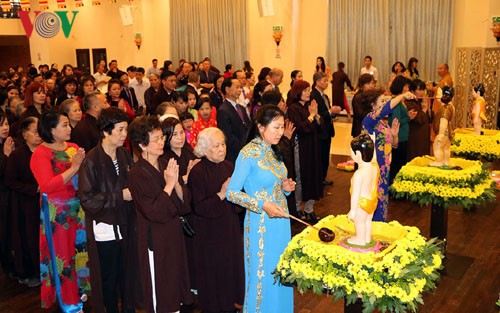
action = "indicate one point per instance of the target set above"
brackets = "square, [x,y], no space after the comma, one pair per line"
[152,70]
[372,71]
[100,78]
[140,89]
[103,231]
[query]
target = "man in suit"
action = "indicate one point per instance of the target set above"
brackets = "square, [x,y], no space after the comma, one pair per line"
[167,86]
[194,84]
[326,111]
[128,93]
[86,134]
[232,119]
[275,78]
[207,76]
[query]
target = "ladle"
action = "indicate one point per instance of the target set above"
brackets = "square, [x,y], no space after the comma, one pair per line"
[325,234]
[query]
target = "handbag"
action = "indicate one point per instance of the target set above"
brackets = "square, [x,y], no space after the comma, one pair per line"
[187,228]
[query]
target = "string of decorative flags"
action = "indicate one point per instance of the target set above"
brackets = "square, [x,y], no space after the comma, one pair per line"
[44,4]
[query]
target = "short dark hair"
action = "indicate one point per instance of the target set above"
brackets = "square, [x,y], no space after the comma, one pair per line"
[186,116]
[398,84]
[154,60]
[25,124]
[364,79]
[179,95]
[235,74]
[140,70]
[228,67]
[228,82]
[368,57]
[201,102]
[270,97]
[88,100]
[109,118]
[140,128]
[166,75]
[47,122]
[131,68]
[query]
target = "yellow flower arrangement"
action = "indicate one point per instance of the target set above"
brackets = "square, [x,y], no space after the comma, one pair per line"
[392,280]
[470,145]
[469,186]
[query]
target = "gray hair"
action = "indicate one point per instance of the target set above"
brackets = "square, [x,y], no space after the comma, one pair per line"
[318,75]
[204,138]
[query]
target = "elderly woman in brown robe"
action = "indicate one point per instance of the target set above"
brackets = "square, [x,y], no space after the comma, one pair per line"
[218,241]
[161,198]
[110,217]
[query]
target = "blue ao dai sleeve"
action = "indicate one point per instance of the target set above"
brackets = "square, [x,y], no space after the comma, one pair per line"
[235,192]
[371,119]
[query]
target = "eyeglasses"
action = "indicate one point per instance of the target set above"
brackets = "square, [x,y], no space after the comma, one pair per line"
[158,139]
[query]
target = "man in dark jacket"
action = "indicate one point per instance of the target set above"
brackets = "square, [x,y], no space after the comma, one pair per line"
[326,110]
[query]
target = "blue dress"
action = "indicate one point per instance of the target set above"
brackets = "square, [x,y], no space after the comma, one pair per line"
[259,173]
[372,123]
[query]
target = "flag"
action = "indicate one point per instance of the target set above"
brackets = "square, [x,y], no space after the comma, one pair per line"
[44,4]
[5,5]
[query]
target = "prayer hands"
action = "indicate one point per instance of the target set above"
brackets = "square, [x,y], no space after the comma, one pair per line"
[223,189]
[8,146]
[395,127]
[288,185]
[289,129]
[171,175]
[78,158]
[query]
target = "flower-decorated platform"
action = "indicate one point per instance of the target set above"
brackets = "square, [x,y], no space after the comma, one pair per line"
[472,146]
[391,280]
[468,186]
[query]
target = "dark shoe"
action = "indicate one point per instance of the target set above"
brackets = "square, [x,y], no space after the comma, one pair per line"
[300,215]
[30,282]
[312,218]
[327,183]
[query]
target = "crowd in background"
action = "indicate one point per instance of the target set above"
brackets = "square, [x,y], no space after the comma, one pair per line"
[136,166]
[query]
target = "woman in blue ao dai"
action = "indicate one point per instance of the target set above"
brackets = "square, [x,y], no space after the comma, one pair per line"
[261,173]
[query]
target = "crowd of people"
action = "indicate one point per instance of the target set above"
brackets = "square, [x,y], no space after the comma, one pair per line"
[146,187]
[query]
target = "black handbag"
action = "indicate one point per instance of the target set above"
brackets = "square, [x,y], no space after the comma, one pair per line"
[187,228]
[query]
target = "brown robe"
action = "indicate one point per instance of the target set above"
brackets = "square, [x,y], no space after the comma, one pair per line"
[25,212]
[218,241]
[159,229]
[419,138]
[187,155]
[101,197]
[309,158]
[339,79]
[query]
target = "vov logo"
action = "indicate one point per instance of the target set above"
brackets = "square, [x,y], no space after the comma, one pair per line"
[47,24]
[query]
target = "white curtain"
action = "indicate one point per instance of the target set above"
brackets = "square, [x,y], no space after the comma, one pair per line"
[213,28]
[390,31]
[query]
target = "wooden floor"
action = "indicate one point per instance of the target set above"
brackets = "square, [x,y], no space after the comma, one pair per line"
[470,282]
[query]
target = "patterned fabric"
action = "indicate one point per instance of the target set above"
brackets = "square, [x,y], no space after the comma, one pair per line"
[259,173]
[63,243]
[373,123]
[198,126]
